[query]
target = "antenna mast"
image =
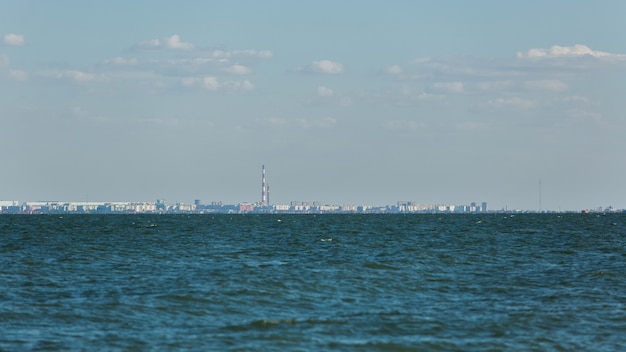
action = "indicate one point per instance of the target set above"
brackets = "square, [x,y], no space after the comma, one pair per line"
[263,187]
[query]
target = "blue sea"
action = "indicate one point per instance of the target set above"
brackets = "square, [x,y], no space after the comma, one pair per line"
[422,282]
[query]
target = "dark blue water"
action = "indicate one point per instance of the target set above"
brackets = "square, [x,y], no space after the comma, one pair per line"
[303,282]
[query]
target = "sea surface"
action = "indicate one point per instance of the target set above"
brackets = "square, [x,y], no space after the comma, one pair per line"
[423,282]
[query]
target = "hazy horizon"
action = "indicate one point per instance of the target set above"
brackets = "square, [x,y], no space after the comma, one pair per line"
[360,102]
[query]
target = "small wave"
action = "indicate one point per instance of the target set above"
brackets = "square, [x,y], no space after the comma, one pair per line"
[261,324]
[379,266]
[264,264]
[272,323]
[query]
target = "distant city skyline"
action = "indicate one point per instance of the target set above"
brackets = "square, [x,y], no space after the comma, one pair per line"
[293,206]
[519,104]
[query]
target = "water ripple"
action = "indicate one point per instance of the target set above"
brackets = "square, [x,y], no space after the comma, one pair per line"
[335,282]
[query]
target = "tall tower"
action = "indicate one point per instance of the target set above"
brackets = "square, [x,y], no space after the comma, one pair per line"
[263,187]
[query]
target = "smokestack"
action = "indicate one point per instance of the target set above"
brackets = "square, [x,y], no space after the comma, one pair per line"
[263,187]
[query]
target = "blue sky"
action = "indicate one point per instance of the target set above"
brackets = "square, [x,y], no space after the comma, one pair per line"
[345,102]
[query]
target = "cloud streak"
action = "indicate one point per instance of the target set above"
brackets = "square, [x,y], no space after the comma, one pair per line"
[227,54]
[18,75]
[170,43]
[514,102]
[75,76]
[121,61]
[212,83]
[393,70]
[536,71]
[448,87]
[324,67]
[558,51]
[238,69]
[323,91]
[12,39]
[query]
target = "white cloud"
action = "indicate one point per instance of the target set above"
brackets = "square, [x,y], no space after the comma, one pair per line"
[324,91]
[404,125]
[326,96]
[423,60]
[327,66]
[577,99]
[203,60]
[238,69]
[212,83]
[393,70]
[550,85]
[259,54]
[423,96]
[172,43]
[580,114]
[121,61]
[514,102]
[18,75]
[14,39]
[227,54]
[77,111]
[74,76]
[150,44]
[247,85]
[326,122]
[345,101]
[577,50]
[402,95]
[244,85]
[79,76]
[71,75]
[322,66]
[206,64]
